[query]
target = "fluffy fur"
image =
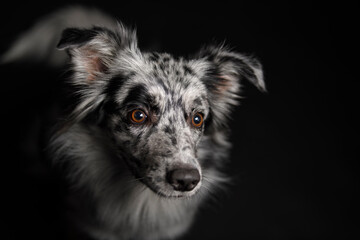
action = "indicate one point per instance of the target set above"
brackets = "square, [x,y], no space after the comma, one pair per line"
[118,169]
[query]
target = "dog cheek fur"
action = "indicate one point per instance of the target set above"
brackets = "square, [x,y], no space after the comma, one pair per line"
[124,207]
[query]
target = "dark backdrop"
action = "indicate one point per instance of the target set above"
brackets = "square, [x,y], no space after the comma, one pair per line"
[293,157]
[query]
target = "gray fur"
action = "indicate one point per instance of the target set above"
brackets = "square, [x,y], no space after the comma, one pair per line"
[38,43]
[120,167]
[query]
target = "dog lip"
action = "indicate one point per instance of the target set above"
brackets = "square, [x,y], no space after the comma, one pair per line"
[174,194]
[166,193]
[177,196]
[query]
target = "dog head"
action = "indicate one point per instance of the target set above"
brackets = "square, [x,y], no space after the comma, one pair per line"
[157,109]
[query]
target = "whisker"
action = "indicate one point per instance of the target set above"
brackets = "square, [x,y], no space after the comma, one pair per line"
[135,180]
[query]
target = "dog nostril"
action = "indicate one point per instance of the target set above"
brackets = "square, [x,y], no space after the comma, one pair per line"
[183,179]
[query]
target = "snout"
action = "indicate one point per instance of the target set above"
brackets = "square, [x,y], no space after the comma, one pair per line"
[183,179]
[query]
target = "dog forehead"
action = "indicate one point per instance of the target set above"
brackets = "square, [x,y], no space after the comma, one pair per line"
[172,77]
[176,73]
[166,81]
[177,83]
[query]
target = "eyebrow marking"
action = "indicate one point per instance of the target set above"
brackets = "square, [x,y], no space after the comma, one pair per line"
[138,95]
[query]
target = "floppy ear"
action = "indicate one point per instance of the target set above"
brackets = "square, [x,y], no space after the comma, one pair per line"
[92,53]
[223,79]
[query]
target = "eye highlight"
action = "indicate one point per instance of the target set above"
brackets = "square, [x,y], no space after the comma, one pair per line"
[138,116]
[197,120]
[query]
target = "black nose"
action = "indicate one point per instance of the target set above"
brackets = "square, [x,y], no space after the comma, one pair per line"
[183,179]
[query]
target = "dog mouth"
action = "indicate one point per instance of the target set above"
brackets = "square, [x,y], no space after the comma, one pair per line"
[165,193]
[167,190]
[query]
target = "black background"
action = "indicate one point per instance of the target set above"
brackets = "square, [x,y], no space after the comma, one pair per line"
[293,160]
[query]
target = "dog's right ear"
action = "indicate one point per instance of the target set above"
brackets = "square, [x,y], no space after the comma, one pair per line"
[93,51]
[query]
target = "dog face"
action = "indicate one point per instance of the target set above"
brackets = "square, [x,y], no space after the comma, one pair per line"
[157,117]
[157,109]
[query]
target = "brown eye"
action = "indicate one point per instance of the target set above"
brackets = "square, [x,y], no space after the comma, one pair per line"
[197,120]
[138,116]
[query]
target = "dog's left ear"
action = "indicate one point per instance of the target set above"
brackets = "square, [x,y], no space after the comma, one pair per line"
[229,68]
[226,69]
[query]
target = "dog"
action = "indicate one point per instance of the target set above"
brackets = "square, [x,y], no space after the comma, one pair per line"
[147,138]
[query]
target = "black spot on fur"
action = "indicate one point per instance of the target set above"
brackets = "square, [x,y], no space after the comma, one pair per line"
[173,140]
[186,115]
[188,70]
[179,102]
[139,96]
[185,148]
[137,140]
[110,91]
[168,105]
[162,84]
[185,84]
[115,84]
[162,66]
[154,57]
[169,130]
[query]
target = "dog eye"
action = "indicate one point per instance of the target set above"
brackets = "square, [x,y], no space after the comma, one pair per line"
[197,120]
[138,116]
